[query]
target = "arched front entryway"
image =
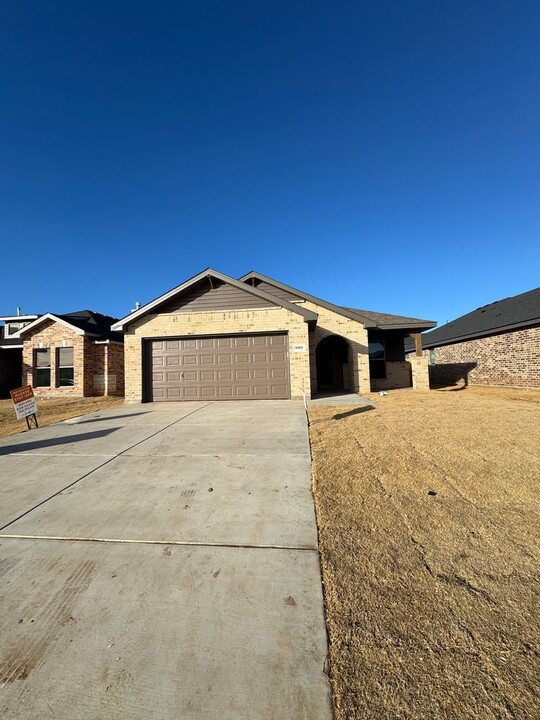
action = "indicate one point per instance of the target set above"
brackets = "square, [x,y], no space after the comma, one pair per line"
[331,355]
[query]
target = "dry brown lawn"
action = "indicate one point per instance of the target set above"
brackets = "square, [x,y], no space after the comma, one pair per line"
[429,515]
[53,410]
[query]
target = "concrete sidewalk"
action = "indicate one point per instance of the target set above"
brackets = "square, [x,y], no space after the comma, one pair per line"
[160,561]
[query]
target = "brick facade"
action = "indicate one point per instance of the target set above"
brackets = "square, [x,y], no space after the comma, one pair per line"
[90,361]
[420,372]
[217,323]
[303,369]
[331,323]
[398,375]
[511,359]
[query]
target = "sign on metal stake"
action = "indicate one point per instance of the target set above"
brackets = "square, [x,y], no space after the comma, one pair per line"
[25,405]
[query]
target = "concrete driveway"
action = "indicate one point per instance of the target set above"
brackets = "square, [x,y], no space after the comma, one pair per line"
[160,561]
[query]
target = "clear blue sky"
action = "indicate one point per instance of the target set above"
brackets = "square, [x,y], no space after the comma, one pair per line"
[383,155]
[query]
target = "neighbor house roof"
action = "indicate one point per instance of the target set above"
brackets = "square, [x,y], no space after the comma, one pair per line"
[83,322]
[368,318]
[308,315]
[497,317]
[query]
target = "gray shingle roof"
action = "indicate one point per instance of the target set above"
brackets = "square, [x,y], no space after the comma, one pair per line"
[94,323]
[367,318]
[508,314]
[386,320]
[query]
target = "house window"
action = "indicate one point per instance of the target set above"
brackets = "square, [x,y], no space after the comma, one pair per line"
[377,360]
[432,357]
[12,328]
[64,365]
[42,368]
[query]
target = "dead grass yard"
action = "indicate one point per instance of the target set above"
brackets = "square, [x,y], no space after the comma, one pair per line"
[53,410]
[429,515]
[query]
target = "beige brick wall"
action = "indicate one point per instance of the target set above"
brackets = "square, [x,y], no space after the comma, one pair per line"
[89,361]
[217,323]
[420,372]
[105,365]
[54,335]
[331,323]
[511,359]
[398,375]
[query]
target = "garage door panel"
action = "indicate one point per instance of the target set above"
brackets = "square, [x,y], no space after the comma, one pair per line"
[211,368]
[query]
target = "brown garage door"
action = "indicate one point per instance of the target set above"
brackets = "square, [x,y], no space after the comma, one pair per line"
[243,367]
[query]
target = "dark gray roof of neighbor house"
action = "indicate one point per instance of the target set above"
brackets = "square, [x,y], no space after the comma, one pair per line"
[509,314]
[93,323]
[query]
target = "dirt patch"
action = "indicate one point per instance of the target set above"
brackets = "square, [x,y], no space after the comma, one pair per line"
[428,511]
[52,410]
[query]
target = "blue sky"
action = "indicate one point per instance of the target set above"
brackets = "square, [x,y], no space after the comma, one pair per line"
[381,155]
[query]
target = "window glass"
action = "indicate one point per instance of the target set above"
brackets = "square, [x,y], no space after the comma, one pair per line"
[65,357]
[376,351]
[43,358]
[65,367]
[42,363]
[377,364]
[432,357]
[12,328]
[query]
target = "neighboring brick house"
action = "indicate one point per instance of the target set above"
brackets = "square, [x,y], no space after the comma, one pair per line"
[498,344]
[73,354]
[11,346]
[215,337]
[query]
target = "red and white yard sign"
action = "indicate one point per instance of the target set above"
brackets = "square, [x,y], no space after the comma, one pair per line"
[24,402]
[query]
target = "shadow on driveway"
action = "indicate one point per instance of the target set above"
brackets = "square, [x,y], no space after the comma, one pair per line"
[50,442]
[99,419]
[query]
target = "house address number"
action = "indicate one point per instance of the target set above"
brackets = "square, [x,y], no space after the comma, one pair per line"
[299,347]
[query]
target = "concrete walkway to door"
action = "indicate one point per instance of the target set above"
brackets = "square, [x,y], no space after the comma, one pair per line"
[160,562]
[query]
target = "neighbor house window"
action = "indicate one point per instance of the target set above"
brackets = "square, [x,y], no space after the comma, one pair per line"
[12,328]
[64,365]
[432,357]
[42,368]
[377,360]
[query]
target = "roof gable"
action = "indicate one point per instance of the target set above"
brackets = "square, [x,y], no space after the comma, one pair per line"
[54,318]
[168,298]
[305,296]
[368,318]
[81,322]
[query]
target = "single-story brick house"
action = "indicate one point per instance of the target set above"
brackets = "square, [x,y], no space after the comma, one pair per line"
[69,354]
[218,338]
[497,344]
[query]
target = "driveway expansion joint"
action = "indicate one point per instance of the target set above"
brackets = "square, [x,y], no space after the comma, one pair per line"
[109,460]
[188,543]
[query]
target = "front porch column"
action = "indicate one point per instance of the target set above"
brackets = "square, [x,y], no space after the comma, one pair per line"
[419,365]
[420,372]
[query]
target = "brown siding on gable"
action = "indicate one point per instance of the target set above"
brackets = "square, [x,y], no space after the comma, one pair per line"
[202,298]
[278,292]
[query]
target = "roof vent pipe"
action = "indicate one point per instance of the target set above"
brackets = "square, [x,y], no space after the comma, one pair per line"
[137,306]
[18,311]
